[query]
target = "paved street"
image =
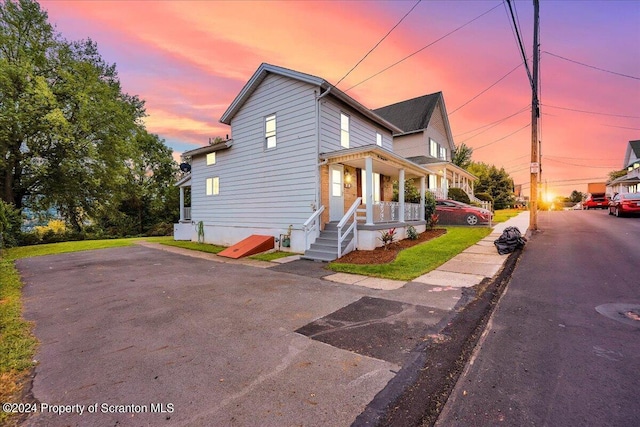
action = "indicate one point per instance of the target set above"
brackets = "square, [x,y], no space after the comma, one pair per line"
[549,358]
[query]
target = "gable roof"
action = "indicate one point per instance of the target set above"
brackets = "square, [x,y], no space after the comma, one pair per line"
[633,147]
[413,114]
[265,69]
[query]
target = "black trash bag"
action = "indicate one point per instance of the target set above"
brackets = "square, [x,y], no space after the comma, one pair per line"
[510,240]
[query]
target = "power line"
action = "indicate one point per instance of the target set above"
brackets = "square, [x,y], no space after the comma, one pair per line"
[493,124]
[582,166]
[520,45]
[378,44]
[592,66]
[498,81]
[591,112]
[504,137]
[421,49]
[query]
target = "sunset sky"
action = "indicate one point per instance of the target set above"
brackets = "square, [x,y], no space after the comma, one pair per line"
[189,59]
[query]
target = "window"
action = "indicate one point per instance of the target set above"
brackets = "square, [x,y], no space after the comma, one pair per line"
[443,153]
[211,158]
[376,186]
[378,139]
[433,181]
[336,182]
[270,131]
[433,148]
[213,186]
[344,130]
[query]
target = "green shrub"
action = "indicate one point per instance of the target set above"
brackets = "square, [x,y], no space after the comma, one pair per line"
[10,223]
[429,205]
[459,195]
[485,197]
[412,234]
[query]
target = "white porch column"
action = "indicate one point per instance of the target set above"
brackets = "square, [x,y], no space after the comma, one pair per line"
[445,184]
[368,197]
[181,204]
[422,196]
[401,195]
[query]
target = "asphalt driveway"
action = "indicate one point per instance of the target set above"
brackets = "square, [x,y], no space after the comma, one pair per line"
[140,336]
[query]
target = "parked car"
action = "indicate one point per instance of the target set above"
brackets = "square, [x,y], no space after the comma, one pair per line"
[453,212]
[625,204]
[596,200]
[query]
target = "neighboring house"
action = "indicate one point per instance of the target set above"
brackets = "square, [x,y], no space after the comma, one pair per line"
[630,183]
[426,139]
[303,157]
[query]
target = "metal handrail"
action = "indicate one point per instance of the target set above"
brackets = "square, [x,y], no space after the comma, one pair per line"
[352,212]
[313,223]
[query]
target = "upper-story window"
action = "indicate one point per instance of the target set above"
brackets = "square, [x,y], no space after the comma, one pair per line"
[433,148]
[443,153]
[270,131]
[344,130]
[378,139]
[211,158]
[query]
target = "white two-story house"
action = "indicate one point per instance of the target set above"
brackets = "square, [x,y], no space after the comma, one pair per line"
[303,157]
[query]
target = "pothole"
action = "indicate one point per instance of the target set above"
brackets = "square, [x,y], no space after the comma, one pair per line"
[628,314]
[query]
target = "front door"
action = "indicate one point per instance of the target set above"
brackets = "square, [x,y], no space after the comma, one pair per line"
[336,192]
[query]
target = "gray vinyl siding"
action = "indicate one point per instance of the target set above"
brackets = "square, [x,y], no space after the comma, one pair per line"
[362,131]
[258,187]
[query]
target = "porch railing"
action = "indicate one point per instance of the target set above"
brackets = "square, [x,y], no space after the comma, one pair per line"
[390,212]
[312,225]
[438,193]
[350,222]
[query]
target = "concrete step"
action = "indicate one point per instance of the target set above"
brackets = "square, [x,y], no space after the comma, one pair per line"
[320,256]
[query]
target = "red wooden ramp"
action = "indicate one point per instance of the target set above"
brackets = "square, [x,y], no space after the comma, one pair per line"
[253,244]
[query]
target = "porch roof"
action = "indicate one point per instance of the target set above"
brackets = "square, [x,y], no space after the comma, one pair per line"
[384,161]
[208,149]
[185,181]
[440,164]
[626,180]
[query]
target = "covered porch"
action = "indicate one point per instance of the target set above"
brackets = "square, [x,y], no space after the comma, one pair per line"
[357,198]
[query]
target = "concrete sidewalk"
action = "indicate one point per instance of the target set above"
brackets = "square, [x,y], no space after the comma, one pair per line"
[464,270]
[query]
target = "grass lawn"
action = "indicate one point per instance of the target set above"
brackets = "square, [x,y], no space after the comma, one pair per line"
[195,246]
[504,214]
[420,259]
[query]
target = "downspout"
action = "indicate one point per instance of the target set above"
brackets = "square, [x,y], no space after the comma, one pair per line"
[318,195]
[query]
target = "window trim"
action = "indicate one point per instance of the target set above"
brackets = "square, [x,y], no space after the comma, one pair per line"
[270,136]
[378,139]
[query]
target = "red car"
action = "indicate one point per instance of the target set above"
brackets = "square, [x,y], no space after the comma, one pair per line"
[625,204]
[453,212]
[596,200]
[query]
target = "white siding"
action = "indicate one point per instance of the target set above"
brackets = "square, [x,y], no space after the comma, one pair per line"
[362,131]
[263,189]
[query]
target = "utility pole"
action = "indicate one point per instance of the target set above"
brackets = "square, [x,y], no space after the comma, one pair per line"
[535,114]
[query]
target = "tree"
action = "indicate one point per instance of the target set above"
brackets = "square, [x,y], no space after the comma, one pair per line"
[70,139]
[613,175]
[27,42]
[576,196]
[493,181]
[461,156]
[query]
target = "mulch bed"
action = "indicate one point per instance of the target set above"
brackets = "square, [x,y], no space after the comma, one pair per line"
[382,255]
